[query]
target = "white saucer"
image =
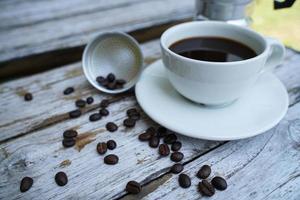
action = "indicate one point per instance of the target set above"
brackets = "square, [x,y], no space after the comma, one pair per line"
[260,109]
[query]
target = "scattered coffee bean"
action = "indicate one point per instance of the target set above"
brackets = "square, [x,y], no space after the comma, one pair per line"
[89,100]
[177,156]
[101,80]
[176,146]
[154,142]
[68,142]
[184,181]
[151,131]
[28,97]
[171,138]
[161,131]
[75,113]
[104,103]
[104,112]
[135,117]
[111,77]
[111,127]
[131,111]
[204,172]
[176,168]
[164,149]
[111,159]
[68,90]
[101,148]
[26,184]
[129,122]
[133,187]
[111,144]
[219,183]
[70,134]
[145,136]
[206,189]
[61,178]
[80,103]
[95,117]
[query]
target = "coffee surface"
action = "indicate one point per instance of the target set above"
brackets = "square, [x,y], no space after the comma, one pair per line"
[215,49]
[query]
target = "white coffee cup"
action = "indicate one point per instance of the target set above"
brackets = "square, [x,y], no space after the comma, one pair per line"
[217,83]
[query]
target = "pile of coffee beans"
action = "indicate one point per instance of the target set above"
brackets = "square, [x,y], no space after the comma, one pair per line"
[69,138]
[111,82]
[102,147]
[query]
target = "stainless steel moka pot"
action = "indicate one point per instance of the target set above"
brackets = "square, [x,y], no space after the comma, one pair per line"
[232,11]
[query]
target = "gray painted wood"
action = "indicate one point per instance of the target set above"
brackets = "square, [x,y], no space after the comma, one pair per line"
[52,106]
[263,167]
[33,27]
[39,153]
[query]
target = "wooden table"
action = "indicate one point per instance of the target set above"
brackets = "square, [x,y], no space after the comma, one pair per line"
[263,167]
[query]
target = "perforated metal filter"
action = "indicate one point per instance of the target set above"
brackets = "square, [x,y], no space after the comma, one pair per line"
[113,52]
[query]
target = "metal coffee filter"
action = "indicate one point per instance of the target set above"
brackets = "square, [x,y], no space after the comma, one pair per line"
[116,53]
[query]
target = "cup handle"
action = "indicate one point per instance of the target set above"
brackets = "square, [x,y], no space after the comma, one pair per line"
[276,52]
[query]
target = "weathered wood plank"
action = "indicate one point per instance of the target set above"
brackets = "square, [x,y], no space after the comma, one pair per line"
[47,90]
[263,167]
[40,155]
[32,27]
[52,105]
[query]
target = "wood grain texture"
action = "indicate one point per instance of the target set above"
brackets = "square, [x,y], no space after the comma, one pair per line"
[49,104]
[264,167]
[33,27]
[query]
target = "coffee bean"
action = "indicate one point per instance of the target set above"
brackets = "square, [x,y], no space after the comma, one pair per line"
[171,138]
[161,131]
[68,90]
[184,181]
[104,112]
[133,187]
[204,172]
[89,100]
[176,146]
[154,142]
[151,131]
[104,103]
[61,178]
[101,80]
[111,86]
[129,123]
[164,149]
[135,117]
[120,82]
[75,113]
[28,97]
[206,189]
[95,117]
[145,136]
[101,148]
[131,111]
[80,103]
[111,127]
[177,156]
[219,183]
[26,184]
[111,159]
[176,168]
[111,77]
[70,134]
[68,142]
[111,144]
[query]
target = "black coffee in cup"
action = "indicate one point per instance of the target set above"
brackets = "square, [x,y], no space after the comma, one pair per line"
[214,49]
